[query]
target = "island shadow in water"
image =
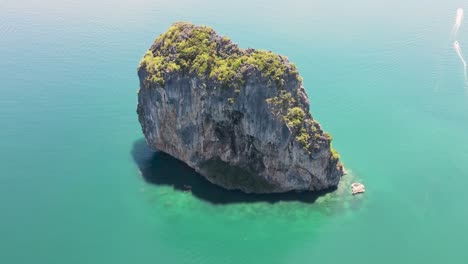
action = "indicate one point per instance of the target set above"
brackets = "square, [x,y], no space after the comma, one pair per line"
[161,169]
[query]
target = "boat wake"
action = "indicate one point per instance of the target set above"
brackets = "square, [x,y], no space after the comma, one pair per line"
[456,45]
[458,21]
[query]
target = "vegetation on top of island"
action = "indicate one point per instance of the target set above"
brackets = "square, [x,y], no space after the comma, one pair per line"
[199,50]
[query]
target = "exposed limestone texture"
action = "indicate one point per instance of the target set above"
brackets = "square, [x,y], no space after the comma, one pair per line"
[238,117]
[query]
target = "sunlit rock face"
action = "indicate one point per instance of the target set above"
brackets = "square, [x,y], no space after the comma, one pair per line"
[238,117]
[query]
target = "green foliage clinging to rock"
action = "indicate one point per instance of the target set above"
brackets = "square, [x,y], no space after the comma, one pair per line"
[199,50]
[307,130]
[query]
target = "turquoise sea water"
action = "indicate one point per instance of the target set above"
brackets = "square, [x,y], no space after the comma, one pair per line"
[79,185]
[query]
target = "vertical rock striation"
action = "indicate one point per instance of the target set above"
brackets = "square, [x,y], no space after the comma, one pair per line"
[239,117]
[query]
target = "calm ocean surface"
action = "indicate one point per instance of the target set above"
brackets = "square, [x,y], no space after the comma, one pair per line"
[78,184]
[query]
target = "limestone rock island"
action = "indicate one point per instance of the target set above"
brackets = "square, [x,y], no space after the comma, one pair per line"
[239,117]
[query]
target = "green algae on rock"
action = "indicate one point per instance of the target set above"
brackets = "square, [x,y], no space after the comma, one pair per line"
[213,105]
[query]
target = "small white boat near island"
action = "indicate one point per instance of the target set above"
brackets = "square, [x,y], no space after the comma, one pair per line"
[357,188]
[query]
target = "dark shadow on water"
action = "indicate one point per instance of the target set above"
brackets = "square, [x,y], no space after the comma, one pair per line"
[161,169]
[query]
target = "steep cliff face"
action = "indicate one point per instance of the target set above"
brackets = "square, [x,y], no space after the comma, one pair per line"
[239,117]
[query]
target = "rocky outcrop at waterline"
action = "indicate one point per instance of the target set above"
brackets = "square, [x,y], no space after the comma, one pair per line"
[238,117]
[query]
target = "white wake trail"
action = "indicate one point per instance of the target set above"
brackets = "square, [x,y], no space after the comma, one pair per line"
[456,45]
[458,21]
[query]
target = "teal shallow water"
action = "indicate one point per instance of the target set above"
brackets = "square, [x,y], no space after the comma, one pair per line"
[78,186]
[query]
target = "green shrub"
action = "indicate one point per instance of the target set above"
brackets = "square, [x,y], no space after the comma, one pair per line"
[303,138]
[295,117]
[334,154]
